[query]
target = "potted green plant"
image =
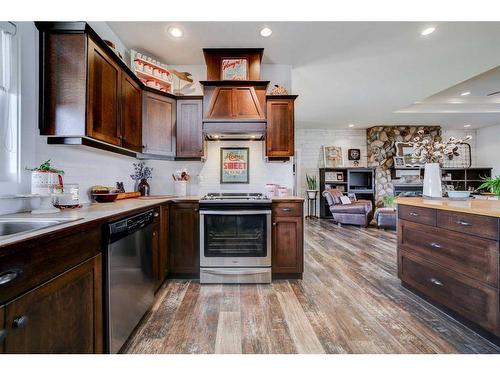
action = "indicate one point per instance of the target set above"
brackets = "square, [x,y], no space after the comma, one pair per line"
[492,184]
[312,186]
[388,201]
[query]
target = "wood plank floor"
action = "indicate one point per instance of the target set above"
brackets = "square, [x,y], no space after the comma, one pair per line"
[350,301]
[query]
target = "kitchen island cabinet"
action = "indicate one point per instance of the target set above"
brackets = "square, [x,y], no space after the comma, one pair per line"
[287,239]
[448,252]
[184,250]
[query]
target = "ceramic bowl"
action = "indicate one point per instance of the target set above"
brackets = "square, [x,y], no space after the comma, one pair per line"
[105,197]
[458,194]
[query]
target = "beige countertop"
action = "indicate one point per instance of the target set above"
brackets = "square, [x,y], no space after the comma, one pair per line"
[98,211]
[471,206]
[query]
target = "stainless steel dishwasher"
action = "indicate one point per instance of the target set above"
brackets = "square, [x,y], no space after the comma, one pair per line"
[129,287]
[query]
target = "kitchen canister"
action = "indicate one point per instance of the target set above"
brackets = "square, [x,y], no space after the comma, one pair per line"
[282,191]
[180,188]
[271,190]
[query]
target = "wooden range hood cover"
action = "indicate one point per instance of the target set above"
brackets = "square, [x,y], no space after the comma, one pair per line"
[233,103]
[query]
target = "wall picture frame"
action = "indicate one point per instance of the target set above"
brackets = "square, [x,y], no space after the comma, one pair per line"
[405,150]
[234,69]
[332,156]
[353,154]
[234,165]
[399,162]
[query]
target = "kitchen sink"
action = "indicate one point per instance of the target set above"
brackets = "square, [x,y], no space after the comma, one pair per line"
[16,226]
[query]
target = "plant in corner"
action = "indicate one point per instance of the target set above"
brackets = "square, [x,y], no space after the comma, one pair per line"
[142,174]
[492,184]
[432,154]
[388,201]
[312,186]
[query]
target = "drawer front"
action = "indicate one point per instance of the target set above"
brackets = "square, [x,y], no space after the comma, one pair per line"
[287,209]
[482,226]
[472,256]
[479,304]
[420,215]
[35,263]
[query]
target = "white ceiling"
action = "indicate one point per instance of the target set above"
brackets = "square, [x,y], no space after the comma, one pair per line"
[352,72]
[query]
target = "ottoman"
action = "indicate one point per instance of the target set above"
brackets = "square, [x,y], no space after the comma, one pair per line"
[386,218]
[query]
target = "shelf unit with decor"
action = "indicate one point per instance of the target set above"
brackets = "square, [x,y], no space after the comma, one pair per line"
[360,181]
[459,178]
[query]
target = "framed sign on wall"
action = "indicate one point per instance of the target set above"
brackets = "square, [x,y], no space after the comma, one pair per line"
[234,69]
[234,168]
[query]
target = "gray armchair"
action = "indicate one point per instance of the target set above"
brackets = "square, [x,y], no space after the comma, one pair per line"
[359,212]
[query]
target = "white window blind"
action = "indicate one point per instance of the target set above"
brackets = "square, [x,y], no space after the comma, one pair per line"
[9,104]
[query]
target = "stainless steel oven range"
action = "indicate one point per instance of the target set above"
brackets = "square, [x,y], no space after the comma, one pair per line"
[235,238]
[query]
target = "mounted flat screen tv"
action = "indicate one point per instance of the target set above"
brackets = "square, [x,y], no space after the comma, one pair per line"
[360,180]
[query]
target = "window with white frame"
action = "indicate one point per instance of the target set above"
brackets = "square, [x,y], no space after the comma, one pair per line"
[9,105]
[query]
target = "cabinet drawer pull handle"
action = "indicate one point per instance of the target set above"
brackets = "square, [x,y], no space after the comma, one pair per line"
[435,245]
[3,334]
[20,322]
[288,209]
[435,281]
[464,223]
[274,224]
[9,276]
[413,214]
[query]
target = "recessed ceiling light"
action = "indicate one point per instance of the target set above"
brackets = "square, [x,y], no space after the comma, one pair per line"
[175,32]
[467,126]
[253,136]
[351,125]
[265,32]
[428,31]
[465,93]
[216,136]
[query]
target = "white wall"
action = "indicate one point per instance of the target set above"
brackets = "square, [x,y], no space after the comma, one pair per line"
[309,145]
[488,152]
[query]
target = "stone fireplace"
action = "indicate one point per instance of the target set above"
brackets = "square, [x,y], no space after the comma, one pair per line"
[381,148]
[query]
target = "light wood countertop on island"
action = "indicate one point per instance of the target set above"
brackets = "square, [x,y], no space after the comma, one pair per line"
[288,198]
[471,206]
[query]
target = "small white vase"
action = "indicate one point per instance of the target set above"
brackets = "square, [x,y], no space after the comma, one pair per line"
[432,181]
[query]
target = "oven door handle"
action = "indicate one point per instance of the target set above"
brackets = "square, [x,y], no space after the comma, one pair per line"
[236,272]
[245,212]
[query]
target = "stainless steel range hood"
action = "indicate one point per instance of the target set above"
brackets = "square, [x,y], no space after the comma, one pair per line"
[234,130]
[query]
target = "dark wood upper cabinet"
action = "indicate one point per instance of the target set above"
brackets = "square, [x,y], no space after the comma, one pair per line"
[280,126]
[159,121]
[104,83]
[131,113]
[63,83]
[189,129]
[184,252]
[63,315]
[287,239]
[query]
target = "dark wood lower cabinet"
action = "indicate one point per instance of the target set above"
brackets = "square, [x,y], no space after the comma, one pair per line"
[184,253]
[3,330]
[163,243]
[63,315]
[287,240]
